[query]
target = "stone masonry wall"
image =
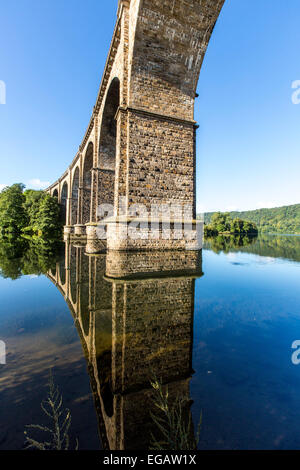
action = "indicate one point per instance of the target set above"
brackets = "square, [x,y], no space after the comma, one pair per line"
[153,331]
[161,160]
[138,426]
[170,42]
[124,264]
[106,187]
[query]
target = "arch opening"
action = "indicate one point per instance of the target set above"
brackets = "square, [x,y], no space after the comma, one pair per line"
[63,202]
[108,145]
[108,134]
[75,198]
[87,184]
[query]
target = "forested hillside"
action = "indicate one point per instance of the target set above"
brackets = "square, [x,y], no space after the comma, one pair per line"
[284,219]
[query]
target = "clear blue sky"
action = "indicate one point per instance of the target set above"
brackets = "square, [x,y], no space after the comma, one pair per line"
[248,147]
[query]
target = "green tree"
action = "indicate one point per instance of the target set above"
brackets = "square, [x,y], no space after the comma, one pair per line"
[237,226]
[210,231]
[221,222]
[32,213]
[284,219]
[48,223]
[13,216]
[32,203]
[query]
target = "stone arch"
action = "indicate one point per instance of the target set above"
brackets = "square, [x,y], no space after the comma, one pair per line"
[75,197]
[55,193]
[108,132]
[167,54]
[87,183]
[108,145]
[63,202]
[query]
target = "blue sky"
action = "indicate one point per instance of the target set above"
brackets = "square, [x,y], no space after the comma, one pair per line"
[248,146]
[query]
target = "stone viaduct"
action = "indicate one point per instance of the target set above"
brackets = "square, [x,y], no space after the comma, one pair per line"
[134,314]
[139,147]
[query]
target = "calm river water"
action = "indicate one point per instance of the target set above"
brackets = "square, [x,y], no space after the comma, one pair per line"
[217,328]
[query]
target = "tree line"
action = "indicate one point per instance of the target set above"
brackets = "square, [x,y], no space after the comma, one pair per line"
[223,223]
[285,219]
[29,213]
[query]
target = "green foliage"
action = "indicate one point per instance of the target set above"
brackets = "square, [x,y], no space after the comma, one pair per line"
[40,256]
[19,256]
[221,223]
[32,206]
[11,253]
[60,422]
[284,219]
[33,213]
[48,224]
[13,216]
[173,422]
[239,226]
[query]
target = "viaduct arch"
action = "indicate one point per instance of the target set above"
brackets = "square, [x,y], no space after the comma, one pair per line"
[139,147]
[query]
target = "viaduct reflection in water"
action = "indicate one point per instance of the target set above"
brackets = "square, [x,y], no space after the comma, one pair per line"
[134,315]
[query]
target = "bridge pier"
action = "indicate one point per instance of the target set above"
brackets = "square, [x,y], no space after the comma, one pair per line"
[153,235]
[68,229]
[140,145]
[93,243]
[80,230]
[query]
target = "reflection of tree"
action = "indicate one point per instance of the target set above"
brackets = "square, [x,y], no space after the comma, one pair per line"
[11,253]
[273,246]
[228,243]
[276,246]
[22,257]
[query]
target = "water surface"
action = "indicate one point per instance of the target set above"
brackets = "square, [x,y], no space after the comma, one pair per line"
[217,328]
